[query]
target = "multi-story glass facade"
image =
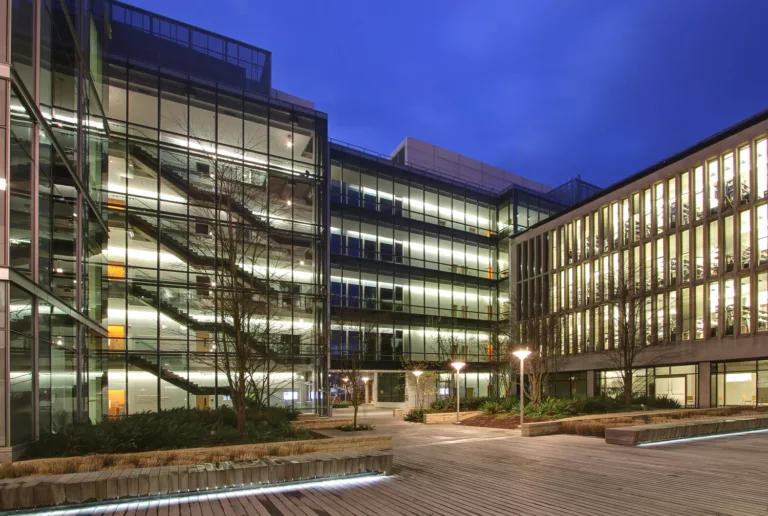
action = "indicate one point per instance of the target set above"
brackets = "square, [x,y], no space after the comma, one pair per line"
[690,238]
[52,270]
[188,157]
[417,263]
[126,135]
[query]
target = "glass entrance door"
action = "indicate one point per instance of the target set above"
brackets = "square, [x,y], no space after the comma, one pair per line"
[672,387]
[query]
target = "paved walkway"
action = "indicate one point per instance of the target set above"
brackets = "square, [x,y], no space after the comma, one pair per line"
[448,469]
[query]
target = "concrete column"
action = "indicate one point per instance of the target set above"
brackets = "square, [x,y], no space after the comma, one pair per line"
[590,383]
[704,387]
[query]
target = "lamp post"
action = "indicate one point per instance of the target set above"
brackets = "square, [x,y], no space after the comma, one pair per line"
[417,374]
[458,366]
[522,354]
[346,391]
[365,388]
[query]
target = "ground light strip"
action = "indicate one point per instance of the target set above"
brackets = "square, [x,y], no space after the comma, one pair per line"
[145,503]
[702,437]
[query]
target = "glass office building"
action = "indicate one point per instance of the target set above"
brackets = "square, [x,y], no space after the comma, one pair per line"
[130,140]
[689,237]
[196,147]
[419,268]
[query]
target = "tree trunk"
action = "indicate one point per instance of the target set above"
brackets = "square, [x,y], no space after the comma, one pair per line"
[238,404]
[628,391]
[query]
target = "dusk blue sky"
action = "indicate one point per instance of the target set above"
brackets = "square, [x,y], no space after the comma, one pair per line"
[545,88]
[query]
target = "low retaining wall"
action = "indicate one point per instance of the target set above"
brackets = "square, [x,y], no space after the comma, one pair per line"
[30,492]
[398,412]
[554,427]
[634,435]
[321,423]
[444,418]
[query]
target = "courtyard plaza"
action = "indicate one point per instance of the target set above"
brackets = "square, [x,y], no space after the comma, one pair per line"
[451,469]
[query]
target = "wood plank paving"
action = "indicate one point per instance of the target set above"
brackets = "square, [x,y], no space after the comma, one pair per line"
[447,469]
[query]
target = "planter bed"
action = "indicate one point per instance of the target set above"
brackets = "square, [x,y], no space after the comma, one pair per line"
[186,456]
[595,425]
[78,488]
[642,434]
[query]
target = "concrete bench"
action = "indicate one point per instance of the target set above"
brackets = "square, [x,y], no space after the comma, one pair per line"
[76,488]
[639,434]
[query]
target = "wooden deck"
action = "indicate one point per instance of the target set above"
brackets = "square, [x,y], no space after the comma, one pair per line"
[446,469]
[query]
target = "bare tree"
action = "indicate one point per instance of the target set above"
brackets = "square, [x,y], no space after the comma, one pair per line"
[243,263]
[536,333]
[535,330]
[632,335]
[350,362]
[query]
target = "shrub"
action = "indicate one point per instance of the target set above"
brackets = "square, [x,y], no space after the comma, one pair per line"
[593,405]
[416,415]
[659,402]
[165,430]
[341,404]
[492,408]
[358,428]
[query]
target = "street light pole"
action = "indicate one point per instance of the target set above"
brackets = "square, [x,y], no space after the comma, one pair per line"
[522,354]
[365,389]
[458,366]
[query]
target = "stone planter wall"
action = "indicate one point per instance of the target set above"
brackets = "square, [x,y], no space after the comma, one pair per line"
[46,491]
[554,427]
[634,435]
[444,418]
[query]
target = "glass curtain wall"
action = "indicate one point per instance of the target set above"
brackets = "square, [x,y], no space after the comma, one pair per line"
[201,178]
[57,229]
[418,284]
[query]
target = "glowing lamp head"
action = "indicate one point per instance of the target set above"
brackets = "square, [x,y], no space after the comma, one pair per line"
[417,373]
[458,365]
[365,379]
[345,379]
[522,354]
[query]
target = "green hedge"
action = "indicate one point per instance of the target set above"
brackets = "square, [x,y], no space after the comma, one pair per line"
[167,429]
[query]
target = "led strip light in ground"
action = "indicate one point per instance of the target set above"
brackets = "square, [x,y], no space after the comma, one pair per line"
[205,496]
[702,437]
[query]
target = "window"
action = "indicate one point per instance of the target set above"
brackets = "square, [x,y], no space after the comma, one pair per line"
[699,321]
[647,206]
[762,301]
[761,165]
[746,307]
[746,244]
[714,308]
[672,315]
[659,207]
[728,241]
[730,306]
[672,204]
[685,303]
[685,255]
[672,259]
[728,179]
[699,243]
[714,186]
[762,235]
[745,172]
[698,188]
[685,208]
[714,253]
